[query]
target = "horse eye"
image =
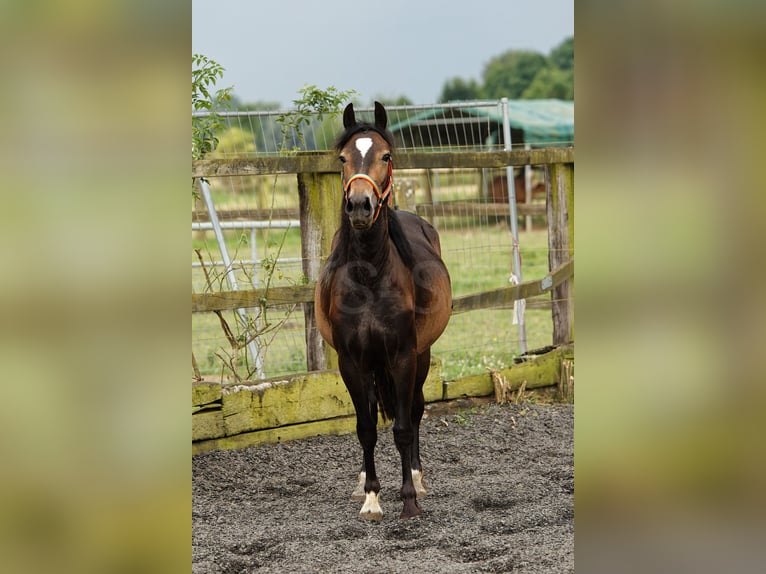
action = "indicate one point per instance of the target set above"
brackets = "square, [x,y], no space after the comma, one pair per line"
[386,157]
[342,159]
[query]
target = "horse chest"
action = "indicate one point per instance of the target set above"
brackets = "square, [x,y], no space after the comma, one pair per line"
[367,320]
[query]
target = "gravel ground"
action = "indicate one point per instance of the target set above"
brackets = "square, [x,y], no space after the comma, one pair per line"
[501,499]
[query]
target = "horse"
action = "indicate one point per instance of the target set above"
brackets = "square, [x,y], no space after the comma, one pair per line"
[382,299]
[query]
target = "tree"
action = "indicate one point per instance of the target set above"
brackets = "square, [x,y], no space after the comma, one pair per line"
[551,82]
[519,74]
[510,73]
[562,56]
[458,89]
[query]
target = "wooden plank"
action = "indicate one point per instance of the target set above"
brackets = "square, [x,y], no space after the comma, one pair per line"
[336,426]
[542,371]
[327,162]
[226,300]
[248,298]
[471,386]
[433,389]
[207,425]
[507,295]
[205,392]
[318,403]
[274,403]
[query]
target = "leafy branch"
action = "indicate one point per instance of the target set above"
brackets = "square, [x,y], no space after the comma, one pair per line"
[314,103]
[205,74]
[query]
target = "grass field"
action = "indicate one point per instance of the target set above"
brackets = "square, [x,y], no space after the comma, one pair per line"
[477,254]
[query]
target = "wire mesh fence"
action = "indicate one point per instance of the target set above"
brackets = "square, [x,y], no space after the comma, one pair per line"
[259,216]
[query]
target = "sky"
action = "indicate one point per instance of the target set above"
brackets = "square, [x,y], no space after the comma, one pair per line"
[272,48]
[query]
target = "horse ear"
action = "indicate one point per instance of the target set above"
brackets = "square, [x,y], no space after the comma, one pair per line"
[349,118]
[381,118]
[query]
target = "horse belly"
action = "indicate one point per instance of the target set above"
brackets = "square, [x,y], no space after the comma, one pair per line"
[433,312]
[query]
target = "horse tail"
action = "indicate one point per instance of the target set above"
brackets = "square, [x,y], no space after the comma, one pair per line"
[385,394]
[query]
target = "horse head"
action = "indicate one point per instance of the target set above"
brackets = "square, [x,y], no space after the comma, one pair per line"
[364,151]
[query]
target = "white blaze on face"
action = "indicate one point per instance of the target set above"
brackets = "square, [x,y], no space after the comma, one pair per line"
[363,145]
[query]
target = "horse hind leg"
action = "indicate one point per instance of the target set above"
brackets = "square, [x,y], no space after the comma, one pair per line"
[358,493]
[418,407]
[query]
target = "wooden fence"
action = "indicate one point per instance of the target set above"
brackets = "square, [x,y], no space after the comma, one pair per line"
[319,190]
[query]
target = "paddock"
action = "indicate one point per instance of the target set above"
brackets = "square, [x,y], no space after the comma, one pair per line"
[501,499]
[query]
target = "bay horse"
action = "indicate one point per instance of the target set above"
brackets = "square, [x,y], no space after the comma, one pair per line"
[382,299]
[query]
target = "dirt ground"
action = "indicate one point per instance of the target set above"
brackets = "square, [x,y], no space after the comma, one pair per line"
[501,499]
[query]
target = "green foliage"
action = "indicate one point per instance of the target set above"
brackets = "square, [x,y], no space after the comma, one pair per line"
[551,82]
[205,74]
[562,56]
[520,74]
[314,103]
[509,74]
[460,90]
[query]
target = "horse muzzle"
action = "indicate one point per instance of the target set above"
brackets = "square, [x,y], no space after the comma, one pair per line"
[360,208]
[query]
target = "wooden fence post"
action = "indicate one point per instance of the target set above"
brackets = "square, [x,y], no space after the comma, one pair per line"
[320,203]
[559,190]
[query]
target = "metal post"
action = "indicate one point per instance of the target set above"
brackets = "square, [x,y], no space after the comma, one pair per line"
[528,190]
[516,276]
[252,345]
[254,255]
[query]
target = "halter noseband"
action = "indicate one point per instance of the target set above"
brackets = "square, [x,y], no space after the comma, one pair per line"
[381,195]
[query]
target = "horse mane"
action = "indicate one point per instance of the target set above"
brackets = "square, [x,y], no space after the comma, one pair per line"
[396,233]
[351,131]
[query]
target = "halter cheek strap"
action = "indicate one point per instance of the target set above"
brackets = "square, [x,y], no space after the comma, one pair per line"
[381,195]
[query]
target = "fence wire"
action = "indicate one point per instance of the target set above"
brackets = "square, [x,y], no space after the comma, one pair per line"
[260,219]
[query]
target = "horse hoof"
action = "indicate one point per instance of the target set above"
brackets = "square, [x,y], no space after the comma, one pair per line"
[375,516]
[411,510]
[371,509]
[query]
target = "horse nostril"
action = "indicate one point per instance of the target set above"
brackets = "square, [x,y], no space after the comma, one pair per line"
[360,204]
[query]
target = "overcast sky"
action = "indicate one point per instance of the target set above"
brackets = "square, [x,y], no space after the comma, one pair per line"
[272,48]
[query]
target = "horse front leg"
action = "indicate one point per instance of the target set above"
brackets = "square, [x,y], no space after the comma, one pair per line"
[404,431]
[368,488]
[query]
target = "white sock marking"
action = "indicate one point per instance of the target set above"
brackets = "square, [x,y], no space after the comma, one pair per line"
[417,481]
[358,493]
[363,145]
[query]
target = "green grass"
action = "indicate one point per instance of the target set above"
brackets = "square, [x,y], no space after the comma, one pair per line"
[478,258]
[472,342]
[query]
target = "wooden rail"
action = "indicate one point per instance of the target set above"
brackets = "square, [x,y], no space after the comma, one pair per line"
[320,194]
[327,161]
[227,300]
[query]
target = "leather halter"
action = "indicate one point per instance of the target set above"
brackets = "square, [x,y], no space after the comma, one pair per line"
[381,195]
